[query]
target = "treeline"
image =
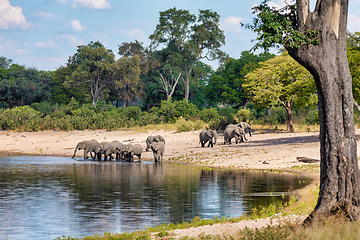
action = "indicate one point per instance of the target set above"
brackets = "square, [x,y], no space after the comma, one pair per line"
[186,116]
[164,82]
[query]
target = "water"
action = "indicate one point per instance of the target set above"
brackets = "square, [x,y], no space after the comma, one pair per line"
[49,197]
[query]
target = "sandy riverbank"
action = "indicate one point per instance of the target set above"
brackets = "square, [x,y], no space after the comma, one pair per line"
[262,151]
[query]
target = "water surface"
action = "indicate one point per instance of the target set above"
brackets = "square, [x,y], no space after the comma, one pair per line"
[48,197]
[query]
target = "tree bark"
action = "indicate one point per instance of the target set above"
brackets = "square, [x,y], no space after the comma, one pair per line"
[290,125]
[327,62]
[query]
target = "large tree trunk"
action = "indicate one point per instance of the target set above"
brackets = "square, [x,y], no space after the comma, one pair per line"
[327,61]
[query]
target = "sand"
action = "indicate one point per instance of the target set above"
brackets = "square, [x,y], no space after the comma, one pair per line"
[261,151]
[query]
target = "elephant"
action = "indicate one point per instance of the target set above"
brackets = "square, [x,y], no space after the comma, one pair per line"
[158,149]
[243,125]
[87,146]
[233,132]
[106,148]
[131,150]
[150,139]
[208,136]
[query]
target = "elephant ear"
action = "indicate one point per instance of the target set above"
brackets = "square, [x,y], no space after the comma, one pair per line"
[237,130]
[208,133]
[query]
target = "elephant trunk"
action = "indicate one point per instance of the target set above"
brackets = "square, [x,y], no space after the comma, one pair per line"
[75,152]
[250,132]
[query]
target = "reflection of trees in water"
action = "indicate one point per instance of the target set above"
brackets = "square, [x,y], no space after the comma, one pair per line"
[152,188]
[143,192]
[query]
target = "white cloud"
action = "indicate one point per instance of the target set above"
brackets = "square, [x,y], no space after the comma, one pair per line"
[48,44]
[9,47]
[354,23]
[70,39]
[11,17]
[136,33]
[231,24]
[45,15]
[75,25]
[94,4]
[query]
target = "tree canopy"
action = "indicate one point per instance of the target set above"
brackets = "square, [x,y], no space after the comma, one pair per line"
[281,80]
[225,85]
[191,38]
[92,65]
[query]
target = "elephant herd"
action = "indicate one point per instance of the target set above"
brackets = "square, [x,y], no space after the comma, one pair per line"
[121,152]
[236,131]
[126,152]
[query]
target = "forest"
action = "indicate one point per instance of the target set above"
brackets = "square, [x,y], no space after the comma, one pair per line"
[165,82]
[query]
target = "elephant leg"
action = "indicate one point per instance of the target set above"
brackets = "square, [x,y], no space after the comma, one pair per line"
[85,153]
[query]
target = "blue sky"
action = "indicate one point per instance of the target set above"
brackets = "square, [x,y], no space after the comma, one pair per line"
[44,33]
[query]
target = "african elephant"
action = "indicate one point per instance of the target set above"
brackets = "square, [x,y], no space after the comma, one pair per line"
[150,139]
[158,149]
[233,132]
[108,149]
[245,126]
[208,136]
[87,146]
[131,150]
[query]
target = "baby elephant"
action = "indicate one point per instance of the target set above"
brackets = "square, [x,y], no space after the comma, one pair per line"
[131,150]
[158,149]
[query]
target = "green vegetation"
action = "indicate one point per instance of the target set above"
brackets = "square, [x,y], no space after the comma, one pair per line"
[185,115]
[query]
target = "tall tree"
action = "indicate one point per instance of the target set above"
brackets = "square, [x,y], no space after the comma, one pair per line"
[148,66]
[281,80]
[317,40]
[354,63]
[225,85]
[127,78]
[191,38]
[23,86]
[93,66]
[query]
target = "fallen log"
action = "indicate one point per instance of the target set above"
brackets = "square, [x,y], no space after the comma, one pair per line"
[307,160]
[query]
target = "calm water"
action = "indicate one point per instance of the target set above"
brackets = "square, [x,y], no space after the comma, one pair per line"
[48,197]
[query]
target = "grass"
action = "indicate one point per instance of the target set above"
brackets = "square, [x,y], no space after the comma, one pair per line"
[282,128]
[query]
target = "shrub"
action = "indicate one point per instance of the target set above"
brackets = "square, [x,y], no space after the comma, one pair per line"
[243,115]
[22,118]
[182,125]
[133,112]
[278,116]
[209,114]
[46,108]
[312,117]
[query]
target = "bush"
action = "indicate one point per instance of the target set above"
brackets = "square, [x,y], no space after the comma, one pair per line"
[170,111]
[46,108]
[22,118]
[208,114]
[183,125]
[278,116]
[312,117]
[243,115]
